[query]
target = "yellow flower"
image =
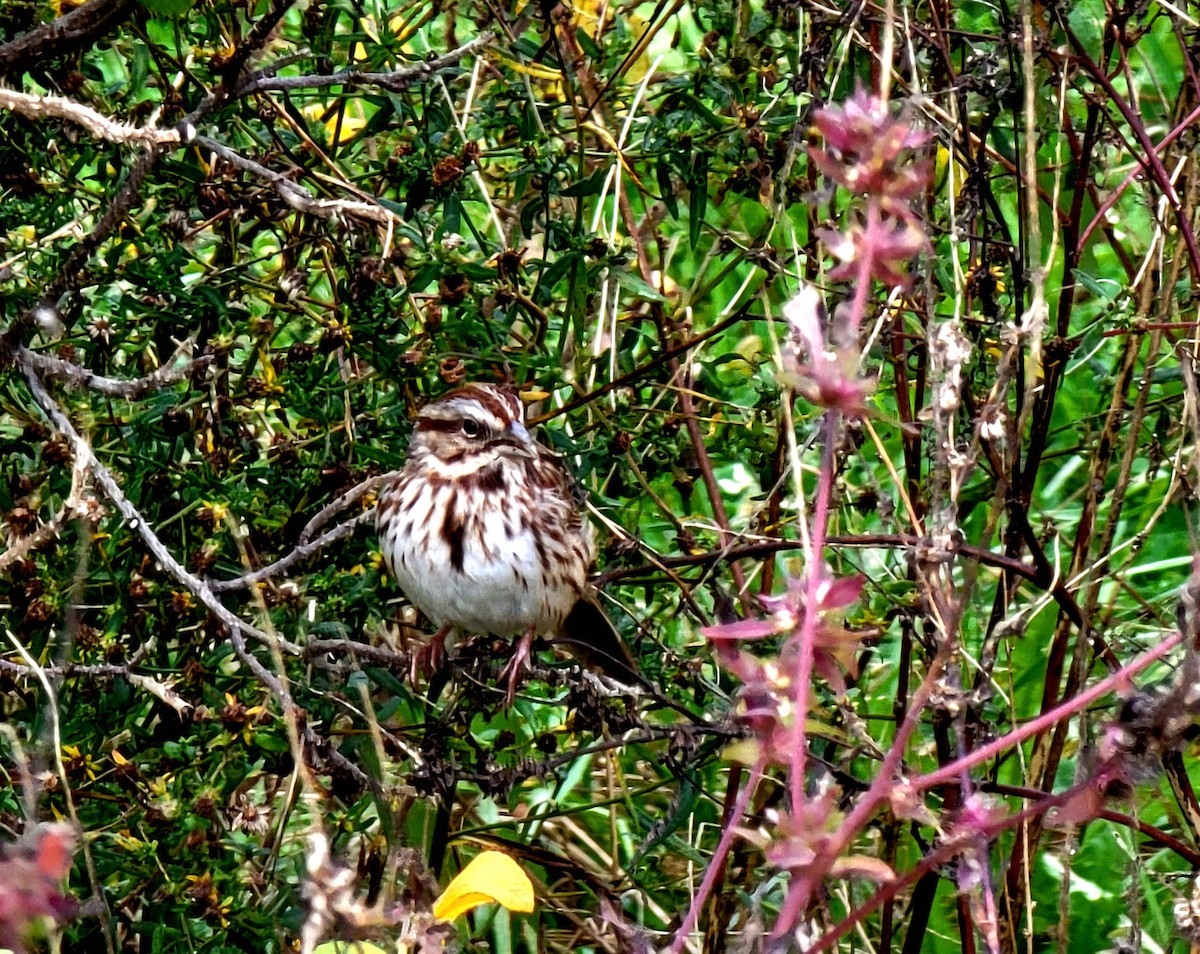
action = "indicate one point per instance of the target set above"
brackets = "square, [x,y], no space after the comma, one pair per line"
[490,877]
[75,761]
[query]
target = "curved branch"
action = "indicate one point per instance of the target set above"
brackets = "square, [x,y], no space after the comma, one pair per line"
[105,480]
[341,503]
[73,31]
[76,376]
[294,194]
[301,552]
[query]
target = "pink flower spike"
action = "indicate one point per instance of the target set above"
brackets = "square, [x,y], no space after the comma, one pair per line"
[826,376]
[743,629]
[841,591]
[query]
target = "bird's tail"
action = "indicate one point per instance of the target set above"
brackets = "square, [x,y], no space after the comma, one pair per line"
[590,635]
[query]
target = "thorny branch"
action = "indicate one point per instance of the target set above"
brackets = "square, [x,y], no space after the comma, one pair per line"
[75,30]
[237,628]
[95,124]
[112,490]
[267,81]
[73,375]
[301,552]
[155,687]
[296,195]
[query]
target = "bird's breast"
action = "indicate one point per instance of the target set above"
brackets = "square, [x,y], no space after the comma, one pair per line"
[484,555]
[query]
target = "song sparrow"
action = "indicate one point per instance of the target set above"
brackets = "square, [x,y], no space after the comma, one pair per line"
[482,530]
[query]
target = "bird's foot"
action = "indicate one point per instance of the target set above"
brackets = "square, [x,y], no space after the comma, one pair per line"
[519,661]
[430,657]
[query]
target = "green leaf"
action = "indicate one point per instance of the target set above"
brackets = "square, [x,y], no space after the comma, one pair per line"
[589,186]
[666,187]
[270,741]
[1105,288]
[681,811]
[577,293]
[451,214]
[635,283]
[585,41]
[529,212]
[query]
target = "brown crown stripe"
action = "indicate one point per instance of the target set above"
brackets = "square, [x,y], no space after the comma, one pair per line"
[491,399]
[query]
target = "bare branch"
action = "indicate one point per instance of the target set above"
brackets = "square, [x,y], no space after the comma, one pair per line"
[380,655]
[267,81]
[238,628]
[342,502]
[79,377]
[74,506]
[72,31]
[158,550]
[301,552]
[72,274]
[94,123]
[295,195]
[22,546]
[156,687]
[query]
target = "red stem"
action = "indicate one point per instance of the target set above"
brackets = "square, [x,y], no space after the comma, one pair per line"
[1112,199]
[717,864]
[1048,719]
[800,893]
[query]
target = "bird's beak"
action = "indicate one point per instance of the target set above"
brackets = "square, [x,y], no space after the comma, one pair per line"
[519,441]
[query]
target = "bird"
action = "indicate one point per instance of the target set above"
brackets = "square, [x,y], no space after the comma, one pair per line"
[483,530]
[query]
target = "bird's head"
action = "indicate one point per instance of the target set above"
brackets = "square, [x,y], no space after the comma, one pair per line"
[475,423]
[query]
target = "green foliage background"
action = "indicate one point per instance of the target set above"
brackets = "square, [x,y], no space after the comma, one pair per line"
[610,205]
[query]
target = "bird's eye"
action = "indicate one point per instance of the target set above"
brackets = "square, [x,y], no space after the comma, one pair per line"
[471,428]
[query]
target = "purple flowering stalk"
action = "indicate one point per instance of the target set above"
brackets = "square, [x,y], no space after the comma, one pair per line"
[876,156]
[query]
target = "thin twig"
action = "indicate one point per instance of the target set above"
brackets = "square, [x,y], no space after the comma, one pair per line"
[105,480]
[156,687]
[341,503]
[300,553]
[394,81]
[295,195]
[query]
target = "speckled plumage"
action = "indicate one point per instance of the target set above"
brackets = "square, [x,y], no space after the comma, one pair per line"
[482,528]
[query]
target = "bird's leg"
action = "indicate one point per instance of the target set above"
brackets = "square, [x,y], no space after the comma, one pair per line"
[519,661]
[430,657]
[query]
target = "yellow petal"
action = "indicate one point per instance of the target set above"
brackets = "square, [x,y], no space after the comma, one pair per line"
[530,69]
[349,128]
[369,28]
[491,876]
